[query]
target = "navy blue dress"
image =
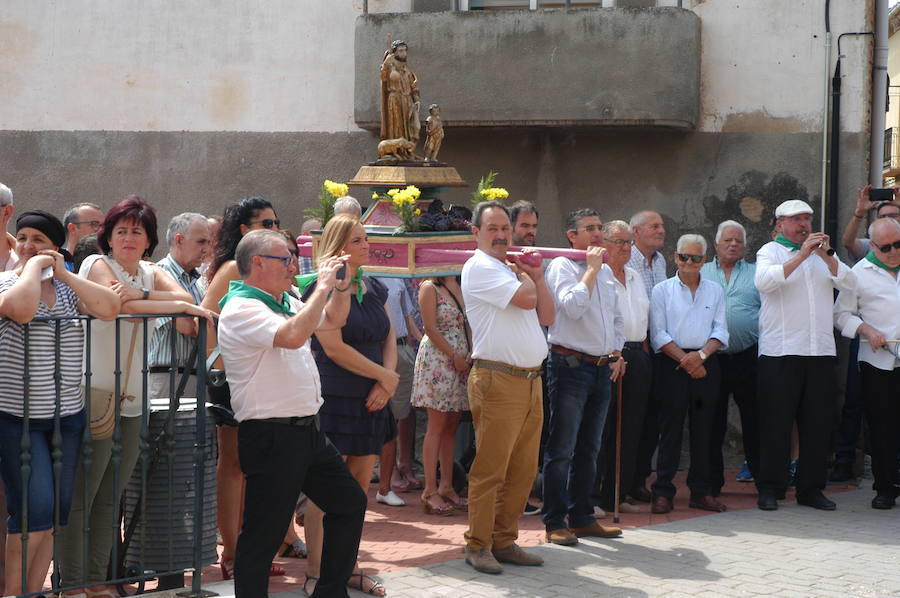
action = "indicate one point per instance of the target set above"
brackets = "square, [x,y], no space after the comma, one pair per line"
[352,428]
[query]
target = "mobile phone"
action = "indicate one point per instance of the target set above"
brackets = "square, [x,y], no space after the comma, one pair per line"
[342,272]
[47,273]
[881,194]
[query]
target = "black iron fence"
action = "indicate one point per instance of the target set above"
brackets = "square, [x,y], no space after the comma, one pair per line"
[164,515]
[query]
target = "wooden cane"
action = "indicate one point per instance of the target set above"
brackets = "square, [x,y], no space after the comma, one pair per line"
[618,446]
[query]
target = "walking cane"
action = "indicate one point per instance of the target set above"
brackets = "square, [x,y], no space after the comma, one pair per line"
[618,446]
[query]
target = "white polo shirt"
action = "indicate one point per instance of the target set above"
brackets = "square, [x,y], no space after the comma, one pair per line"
[266,381]
[500,331]
[875,301]
[795,316]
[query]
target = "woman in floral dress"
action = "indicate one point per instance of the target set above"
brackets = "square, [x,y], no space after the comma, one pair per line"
[439,384]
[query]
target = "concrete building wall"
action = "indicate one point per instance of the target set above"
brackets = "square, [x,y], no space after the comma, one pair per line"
[194,105]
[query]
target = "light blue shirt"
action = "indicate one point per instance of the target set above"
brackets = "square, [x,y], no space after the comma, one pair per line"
[741,302]
[688,321]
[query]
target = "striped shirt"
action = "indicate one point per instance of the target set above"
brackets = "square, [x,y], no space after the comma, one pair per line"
[652,273]
[42,364]
[161,343]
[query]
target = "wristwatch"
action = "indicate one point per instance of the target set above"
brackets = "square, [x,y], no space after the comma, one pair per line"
[146,292]
[702,355]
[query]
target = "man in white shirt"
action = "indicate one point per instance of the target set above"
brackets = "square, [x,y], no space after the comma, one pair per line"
[796,278]
[687,327]
[872,310]
[506,305]
[585,355]
[634,305]
[275,392]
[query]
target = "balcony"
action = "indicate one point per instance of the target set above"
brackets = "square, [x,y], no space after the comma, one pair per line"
[590,67]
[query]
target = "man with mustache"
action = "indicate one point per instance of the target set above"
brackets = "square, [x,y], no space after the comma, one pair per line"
[796,278]
[506,305]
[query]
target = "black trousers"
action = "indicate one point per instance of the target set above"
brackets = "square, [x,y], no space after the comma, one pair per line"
[649,436]
[279,461]
[881,396]
[793,388]
[679,395]
[636,387]
[738,380]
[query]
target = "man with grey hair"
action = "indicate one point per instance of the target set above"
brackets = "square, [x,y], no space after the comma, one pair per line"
[687,327]
[81,220]
[264,336]
[738,361]
[347,205]
[306,263]
[189,243]
[8,258]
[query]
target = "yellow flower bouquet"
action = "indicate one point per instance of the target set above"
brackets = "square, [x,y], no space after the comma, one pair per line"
[329,192]
[403,204]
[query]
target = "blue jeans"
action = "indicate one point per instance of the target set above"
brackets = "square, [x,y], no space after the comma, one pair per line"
[579,399]
[41,489]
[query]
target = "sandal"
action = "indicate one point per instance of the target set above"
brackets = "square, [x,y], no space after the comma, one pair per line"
[460,505]
[410,478]
[297,550]
[227,566]
[442,510]
[306,581]
[275,570]
[376,589]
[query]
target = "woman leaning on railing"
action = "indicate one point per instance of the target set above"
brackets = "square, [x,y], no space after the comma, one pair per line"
[41,287]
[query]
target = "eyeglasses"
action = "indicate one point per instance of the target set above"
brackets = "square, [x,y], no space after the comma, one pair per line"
[267,223]
[94,224]
[591,228]
[694,258]
[287,260]
[887,248]
[621,242]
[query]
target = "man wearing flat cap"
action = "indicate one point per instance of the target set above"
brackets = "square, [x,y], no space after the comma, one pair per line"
[796,275]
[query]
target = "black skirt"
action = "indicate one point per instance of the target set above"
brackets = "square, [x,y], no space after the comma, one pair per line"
[353,429]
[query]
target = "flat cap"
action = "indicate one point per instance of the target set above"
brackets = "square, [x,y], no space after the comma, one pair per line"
[792,207]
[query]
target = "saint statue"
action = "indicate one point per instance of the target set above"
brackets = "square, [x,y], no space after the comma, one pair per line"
[434,133]
[399,96]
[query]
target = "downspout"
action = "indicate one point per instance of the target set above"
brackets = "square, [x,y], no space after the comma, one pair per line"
[879,93]
[825,111]
[834,172]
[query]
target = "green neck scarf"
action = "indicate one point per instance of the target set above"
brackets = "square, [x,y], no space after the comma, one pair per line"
[239,288]
[782,240]
[871,257]
[304,280]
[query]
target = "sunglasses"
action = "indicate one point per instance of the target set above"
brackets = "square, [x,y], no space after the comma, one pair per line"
[887,248]
[694,258]
[287,260]
[267,223]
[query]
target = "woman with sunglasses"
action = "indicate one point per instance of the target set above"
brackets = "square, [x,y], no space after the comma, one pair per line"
[357,368]
[251,213]
[40,286]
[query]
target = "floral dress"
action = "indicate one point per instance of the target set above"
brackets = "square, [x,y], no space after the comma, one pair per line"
[436,384]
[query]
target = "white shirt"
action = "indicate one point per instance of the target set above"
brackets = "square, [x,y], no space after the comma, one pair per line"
[266,381]
[634,304]
[399,304]
[587,322]
[500,331]
[875,301]
[795,317]
[687,320]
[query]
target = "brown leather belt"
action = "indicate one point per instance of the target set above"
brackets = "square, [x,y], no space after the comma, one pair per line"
[592,359]
[529,373]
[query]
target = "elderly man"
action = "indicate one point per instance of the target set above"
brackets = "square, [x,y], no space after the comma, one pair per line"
[506,305]
[649,235]
[524,218]
[306,229]
[872,310]
[737,363]
[189,245]
[8,258]
[796,278]
[81,220]
[856,247]
[347,205]
[264,338]
[634,304]
[687,327]
[585,354]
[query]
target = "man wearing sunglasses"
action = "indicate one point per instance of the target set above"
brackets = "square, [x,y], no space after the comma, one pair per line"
[687,327]
[796,277]
[872,310]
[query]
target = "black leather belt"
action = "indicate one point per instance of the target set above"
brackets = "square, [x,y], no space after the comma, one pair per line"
[529,373]
[637,346]
[592,359]
[164,369]
[309,420]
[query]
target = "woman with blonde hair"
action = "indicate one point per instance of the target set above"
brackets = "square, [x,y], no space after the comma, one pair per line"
[357,369]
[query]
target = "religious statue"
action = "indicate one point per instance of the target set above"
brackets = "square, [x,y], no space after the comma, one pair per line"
[399,149]
[434,133]
[399,96]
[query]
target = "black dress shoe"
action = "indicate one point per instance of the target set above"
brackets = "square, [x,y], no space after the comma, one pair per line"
[641,494]
[841,472]
[883,501]
[661,505]
[816,500]
[767,502]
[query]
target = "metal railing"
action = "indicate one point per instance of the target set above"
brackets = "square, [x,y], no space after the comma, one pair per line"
[155,452]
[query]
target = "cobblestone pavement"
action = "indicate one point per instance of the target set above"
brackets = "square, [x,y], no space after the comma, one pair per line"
[795,552]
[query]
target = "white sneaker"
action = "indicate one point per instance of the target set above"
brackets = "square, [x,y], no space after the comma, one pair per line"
[391,499]
[599,513]
[627,507]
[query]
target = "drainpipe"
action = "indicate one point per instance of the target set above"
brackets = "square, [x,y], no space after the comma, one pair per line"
[365,7]
[826,109]
[832,205]
[879,93]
